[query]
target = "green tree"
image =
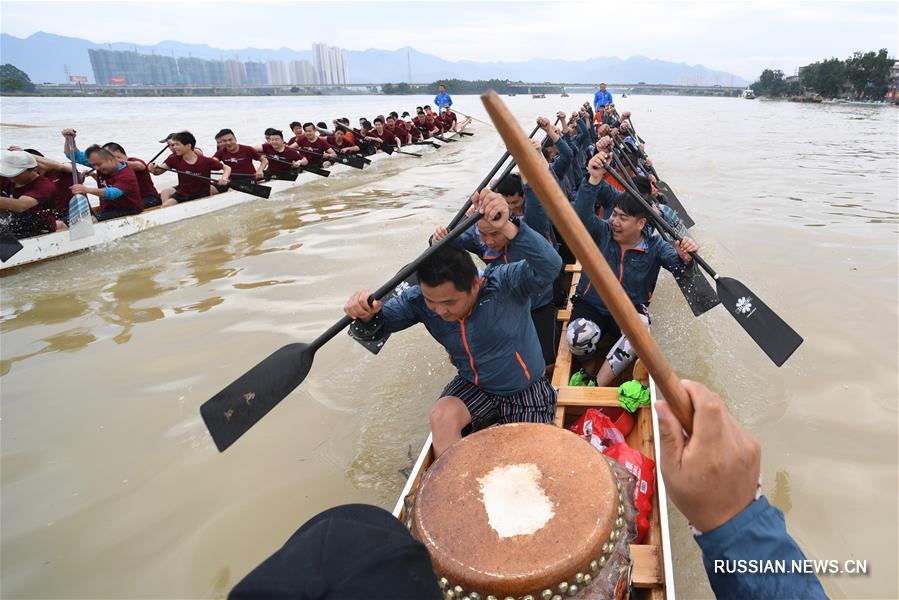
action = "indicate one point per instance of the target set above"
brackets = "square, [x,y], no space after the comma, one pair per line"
[770,83]
[14,80]
[826,77]
[869,73]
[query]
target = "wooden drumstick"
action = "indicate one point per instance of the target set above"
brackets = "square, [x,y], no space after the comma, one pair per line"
[533,168]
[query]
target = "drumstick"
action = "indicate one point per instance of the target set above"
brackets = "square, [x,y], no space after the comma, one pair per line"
[533,168]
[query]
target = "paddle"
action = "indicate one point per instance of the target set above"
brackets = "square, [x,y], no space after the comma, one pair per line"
[693,285]
[566,221]
[283,176]
[313,170]
[9,245]
[443,139]
[344,159]
[473,118]
[426,143]
[772,334]
[398,151]
[247,187]
[465,133]
[234,410]
[671,199]
[81,223]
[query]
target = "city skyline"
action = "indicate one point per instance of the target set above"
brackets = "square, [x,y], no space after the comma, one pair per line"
[122,67]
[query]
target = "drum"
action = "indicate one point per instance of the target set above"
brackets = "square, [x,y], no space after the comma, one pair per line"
[523,511]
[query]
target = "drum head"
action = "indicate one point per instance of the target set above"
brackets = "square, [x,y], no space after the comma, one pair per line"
[518,510]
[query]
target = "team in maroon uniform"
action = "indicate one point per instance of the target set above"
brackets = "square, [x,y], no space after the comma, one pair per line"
[125,187]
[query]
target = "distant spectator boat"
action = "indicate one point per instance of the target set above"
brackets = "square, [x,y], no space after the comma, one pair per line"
[748,94]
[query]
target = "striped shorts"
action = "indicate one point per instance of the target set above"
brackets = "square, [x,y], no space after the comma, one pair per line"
[536,404]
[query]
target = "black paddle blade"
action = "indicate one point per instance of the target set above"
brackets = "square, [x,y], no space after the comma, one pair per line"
[777,339]
[372,346]
[466,133]
[316,171]
[248,187]
[230,413]
[286,176]
[350,161]
[387,148]
[697,291]
[9,246]
[675,203]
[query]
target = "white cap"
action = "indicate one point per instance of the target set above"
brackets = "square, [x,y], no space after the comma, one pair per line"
[15,162]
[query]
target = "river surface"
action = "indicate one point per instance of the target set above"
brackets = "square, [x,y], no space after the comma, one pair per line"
[111,487]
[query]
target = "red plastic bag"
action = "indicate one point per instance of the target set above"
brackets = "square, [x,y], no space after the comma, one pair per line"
[598,429]
[643,469]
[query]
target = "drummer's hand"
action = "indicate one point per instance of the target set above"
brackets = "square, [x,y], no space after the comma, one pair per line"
[357,306]
[712,475]
[441,233]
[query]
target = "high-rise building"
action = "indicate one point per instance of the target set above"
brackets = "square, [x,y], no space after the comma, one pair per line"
[277,74]
[302,72]
[197,71]
[237,74]
[257,73]
[122,67]
[330,64]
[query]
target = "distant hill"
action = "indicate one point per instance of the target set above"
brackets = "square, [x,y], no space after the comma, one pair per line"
[44,56]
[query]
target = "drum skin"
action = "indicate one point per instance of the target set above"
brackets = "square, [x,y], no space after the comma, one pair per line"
[516,509]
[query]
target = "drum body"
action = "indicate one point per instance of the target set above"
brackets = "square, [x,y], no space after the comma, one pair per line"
[520,510]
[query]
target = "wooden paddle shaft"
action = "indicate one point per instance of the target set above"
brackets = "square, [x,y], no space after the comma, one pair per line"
[533,167]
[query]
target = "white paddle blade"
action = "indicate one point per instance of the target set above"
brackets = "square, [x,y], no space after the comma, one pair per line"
[80,223]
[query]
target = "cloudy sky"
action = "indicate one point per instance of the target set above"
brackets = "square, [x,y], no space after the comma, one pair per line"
[739,37]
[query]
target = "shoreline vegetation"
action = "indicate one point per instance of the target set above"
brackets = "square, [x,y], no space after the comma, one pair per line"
[869,76]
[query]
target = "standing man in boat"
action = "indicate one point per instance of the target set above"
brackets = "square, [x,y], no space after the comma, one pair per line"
[635,257]
[482,322]
[442,99]
[602,97]
[184,158]
[29,197]
[118,191]
[148,192]
[239,157]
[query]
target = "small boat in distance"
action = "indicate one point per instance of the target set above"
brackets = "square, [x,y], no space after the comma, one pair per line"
[748,94]
[564,93]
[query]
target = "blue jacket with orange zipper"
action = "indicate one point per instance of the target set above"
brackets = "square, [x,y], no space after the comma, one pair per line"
[495,347]
[637,268]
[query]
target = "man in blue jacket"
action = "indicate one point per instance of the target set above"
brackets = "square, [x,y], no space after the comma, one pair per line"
[483,323]
[601,97]
[634,257]
[442,99]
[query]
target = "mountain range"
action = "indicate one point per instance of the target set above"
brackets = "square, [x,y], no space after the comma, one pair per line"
[47,57]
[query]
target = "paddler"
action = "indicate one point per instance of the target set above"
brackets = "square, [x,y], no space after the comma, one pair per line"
[635,258]
[281,157]
[184,158]
[148,192]
[118,191]
[239,157]
[482,322]
[29,197]
[383,136]
[313,147]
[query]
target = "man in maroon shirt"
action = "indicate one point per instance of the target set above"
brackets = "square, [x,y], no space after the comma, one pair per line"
[382,136]
[119,191]
[239,157]
[282,158]
[61,176]
[343,141]
[185,159]
[29,197]
[297,128]
[148,193]
[398,128]
[314,148]
[426,128]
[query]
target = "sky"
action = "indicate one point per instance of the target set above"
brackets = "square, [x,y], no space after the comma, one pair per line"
[739,37]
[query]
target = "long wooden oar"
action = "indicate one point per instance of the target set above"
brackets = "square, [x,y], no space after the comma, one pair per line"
[234,410]
[772,334]
[693,285]
[81,223]
[566,221]
[247,187]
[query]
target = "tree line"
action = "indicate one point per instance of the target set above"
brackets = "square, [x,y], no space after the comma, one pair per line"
[862,75]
